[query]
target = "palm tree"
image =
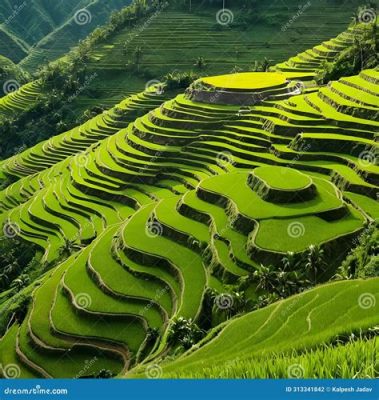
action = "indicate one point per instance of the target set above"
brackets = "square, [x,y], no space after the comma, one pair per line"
[255,67]
[200,63]
[290,261]
[104,374]
[265,65]
[21,282]
[69,247]
[315,261]
[184,332]
[266,278]
[265,300]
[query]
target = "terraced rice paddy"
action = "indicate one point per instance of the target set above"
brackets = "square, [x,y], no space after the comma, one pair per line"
[296,323]
[19,100]
[223,47]
[191,196]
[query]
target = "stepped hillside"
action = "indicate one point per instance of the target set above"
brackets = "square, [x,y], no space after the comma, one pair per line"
[263,35]
[36,31]
[187,198]
[199,233]
[285,330]
[104,87]
[10,72]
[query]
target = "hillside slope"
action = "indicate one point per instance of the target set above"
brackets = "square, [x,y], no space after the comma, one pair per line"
[106,87]
[303,321]
[36,31]
[213,220]
[160,246]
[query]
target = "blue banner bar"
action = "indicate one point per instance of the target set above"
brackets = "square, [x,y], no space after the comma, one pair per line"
[189,389]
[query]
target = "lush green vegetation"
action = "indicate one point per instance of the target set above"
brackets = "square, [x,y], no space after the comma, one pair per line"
[228,220]
[103,69]
[40,32]
[280,325]
[357,359]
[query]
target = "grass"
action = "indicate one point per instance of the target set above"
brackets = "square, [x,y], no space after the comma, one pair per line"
[9,358]
[67,365]
[279,325]
[186,262]
[370,206]
[118,279]
[356,359]
[312,230]
[234,187]
[246,81]
[283,178]
[77,281]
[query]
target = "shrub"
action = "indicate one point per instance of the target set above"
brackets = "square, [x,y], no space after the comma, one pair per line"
[363,260]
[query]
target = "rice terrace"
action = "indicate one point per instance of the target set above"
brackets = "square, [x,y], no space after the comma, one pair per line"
[189,189]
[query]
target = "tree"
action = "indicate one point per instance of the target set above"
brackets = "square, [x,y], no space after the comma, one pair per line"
[69,247]
[152,335]
[200,63]
[265,64]
[178,80]
[266,278]
[314,261]
[290,261]
[229,304]
[104,374]
[184,332]
[363,259]
[20,282]
[255,67]
[265,300]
